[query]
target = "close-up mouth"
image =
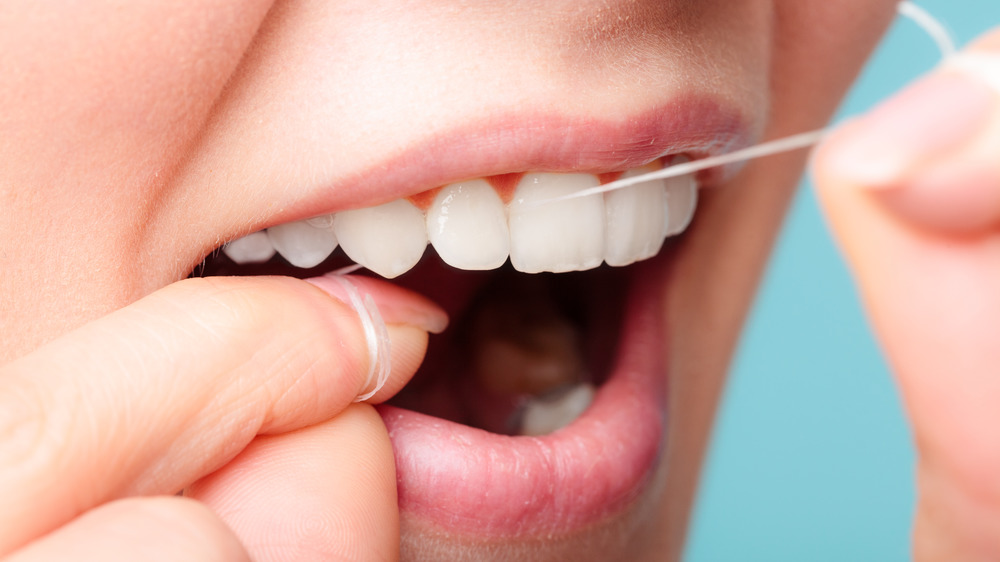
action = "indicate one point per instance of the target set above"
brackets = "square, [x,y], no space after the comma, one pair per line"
[541,410]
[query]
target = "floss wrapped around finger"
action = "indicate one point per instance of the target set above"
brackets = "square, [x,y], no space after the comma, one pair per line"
[376,334]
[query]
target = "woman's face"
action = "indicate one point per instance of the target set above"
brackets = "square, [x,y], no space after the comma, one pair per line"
[135,139]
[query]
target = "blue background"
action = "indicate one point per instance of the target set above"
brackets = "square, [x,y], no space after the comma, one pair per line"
[811,458]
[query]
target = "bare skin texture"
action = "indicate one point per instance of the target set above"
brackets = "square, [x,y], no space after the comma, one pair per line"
[137,137]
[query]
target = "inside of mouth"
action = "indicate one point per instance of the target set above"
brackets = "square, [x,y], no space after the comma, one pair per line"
[523,353]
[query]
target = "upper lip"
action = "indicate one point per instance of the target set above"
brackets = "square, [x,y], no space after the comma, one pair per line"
[697,126]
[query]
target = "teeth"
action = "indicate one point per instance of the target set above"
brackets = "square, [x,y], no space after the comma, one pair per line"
[252,248]
[560,236]
[388,239]
[471,229]
[467,225]
[635,220]
[543,415]
[302,244]
[682,199]
[324,221]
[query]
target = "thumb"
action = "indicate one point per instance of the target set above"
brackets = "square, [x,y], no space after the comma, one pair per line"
[324,492]
[912,191]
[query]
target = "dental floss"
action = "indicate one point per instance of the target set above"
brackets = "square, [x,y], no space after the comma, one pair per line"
[347,269]
[376,333]
[928,23]
[794,142]
[931,25]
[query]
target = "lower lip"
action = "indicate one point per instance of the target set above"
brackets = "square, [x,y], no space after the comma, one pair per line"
[466,480]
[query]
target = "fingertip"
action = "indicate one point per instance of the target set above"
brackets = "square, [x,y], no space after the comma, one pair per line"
[832,154]
[927,157]
[324,492]
[409,345]
[931,119]
[396,323]
[396,304]
[848,205]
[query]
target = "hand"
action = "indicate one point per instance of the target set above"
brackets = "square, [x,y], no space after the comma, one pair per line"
[226,378]
[912,191]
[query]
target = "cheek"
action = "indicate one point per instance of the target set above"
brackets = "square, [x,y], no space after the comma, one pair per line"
[819,49]
[98,86]
[98,100]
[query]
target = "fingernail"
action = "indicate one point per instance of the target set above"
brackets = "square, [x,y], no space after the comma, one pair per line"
[396,304]
[937,115]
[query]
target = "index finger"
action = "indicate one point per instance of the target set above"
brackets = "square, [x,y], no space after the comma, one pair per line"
[151,397]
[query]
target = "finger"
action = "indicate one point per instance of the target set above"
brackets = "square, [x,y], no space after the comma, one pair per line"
[149,529]
[158,394]
[939,140]
[326,492]
[913,194]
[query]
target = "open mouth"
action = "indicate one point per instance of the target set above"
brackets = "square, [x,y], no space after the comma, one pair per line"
[541,408]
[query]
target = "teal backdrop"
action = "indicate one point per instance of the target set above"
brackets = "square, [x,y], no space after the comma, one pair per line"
[811,458]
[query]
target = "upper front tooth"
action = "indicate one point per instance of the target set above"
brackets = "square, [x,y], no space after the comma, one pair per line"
[636,220]
[560,236]
[388,239]
[252,248]
[302,244]
[467,225]
[682,199]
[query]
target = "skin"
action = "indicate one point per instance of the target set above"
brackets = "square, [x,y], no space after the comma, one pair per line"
[922,242]
[175,128]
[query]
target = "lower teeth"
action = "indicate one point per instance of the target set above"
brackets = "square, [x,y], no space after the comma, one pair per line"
[556,410]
